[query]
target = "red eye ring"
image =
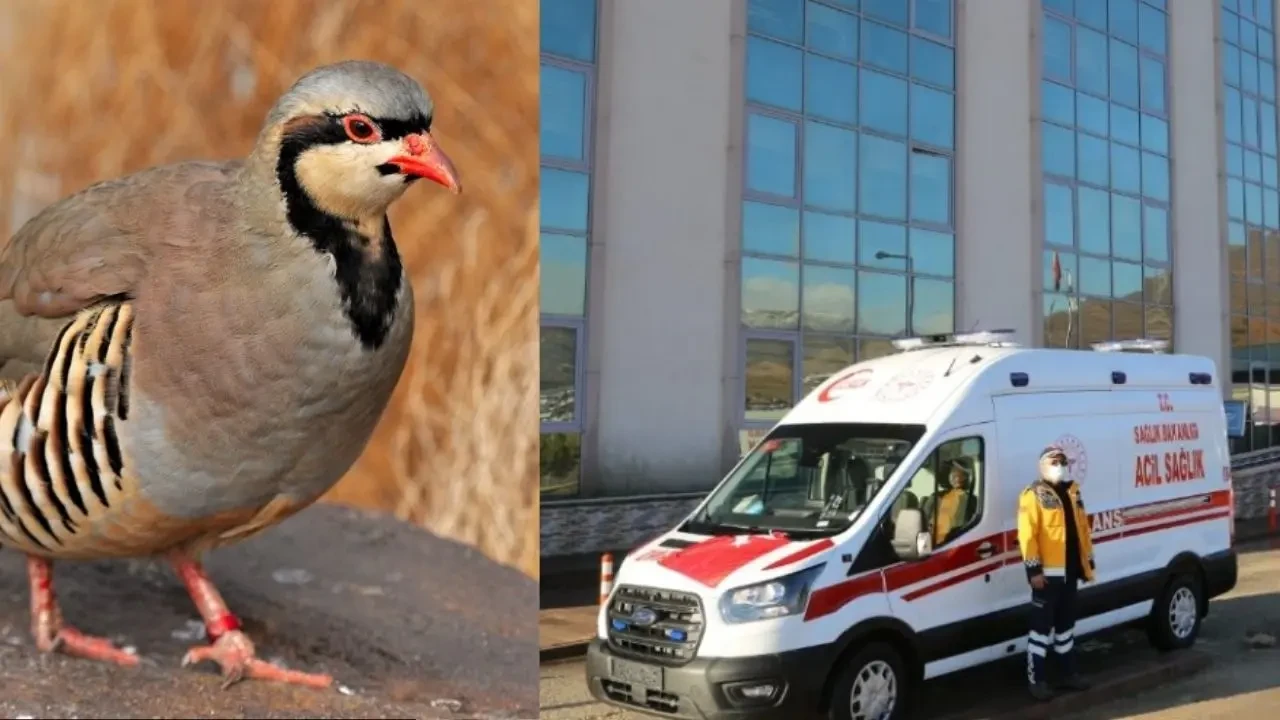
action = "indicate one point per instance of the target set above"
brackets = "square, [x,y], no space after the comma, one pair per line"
[361,129]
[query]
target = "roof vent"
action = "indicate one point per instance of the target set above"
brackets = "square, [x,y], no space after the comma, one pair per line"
[1137,345]
[997,338]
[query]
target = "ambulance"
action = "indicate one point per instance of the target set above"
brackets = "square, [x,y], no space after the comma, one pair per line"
[820,579]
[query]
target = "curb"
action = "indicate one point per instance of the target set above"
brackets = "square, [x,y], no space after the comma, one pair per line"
[1180,665]
[565,651]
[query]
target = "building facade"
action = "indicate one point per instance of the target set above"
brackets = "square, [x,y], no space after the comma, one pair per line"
[740,197]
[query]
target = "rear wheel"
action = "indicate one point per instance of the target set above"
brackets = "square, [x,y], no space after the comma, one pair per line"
[872,685]
[1175,615]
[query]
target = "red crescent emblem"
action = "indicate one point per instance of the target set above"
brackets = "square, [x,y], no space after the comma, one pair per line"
[845,383]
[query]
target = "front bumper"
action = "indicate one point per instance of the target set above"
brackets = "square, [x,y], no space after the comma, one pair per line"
[704,689]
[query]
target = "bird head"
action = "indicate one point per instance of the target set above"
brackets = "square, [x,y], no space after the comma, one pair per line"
[352,137]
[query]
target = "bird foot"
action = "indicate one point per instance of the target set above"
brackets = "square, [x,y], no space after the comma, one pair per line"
[70,641]
[235,654]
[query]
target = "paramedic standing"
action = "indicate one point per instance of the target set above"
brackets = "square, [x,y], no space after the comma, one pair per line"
[1053,534]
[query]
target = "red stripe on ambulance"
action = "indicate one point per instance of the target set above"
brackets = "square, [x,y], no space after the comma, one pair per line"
[1177,513]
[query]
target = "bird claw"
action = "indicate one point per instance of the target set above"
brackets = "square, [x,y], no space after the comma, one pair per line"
[234,653]
[70,641]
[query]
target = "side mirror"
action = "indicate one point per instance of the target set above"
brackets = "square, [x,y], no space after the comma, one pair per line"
[924,544]
[911,541]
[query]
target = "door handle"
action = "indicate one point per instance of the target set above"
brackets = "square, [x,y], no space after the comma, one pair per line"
[986,550]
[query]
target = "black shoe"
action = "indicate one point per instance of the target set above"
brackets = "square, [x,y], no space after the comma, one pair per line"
[1073,683]
[1041,691]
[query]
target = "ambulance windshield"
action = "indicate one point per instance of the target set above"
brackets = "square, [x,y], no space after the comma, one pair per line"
[812,479]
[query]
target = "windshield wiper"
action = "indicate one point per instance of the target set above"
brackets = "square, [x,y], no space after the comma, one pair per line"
[709,526]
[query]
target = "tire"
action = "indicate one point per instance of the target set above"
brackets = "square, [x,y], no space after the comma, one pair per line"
[872,685]
[1175,615]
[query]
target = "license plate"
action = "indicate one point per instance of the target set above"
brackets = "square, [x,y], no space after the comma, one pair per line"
[646,676]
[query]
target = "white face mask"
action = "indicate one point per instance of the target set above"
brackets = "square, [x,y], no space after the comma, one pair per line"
[1055,473]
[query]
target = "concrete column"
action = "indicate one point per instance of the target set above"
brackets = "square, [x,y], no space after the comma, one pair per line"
[657,333]
[999,225]
[1198,222]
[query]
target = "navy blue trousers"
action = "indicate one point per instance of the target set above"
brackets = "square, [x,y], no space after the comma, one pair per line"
[1053,622]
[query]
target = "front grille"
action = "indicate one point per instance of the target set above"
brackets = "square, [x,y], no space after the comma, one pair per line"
[672,637]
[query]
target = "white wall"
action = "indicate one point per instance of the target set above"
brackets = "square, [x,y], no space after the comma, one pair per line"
[1198,223]
[657,350]
[998,227]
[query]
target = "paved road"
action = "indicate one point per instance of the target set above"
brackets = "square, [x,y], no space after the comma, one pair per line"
[412,625]
[1241,681]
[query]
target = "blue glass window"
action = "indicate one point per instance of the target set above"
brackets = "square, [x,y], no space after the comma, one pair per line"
[930,188]
[1059,150]
[932,62]
[568,55]
[770,229]
[831,89]
[831,31]
[783,19]
[771,155]
[896,12]
[1122,21]
[829,238]
[934,17]
[1091,61]
[563,108]
[848,163]
[932,114]
[830,156]
[1124,73]
[568,28]
[1057,49]
[563,203]
[1094,160]
[773,74]
[1057,103]
[1059,215]
[1105,152]
[883,102]
[884,47]
[1152,84]
[882,178]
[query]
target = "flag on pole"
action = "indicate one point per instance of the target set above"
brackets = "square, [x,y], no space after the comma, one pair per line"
[1057,272]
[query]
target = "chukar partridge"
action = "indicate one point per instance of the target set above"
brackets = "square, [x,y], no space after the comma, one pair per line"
[216,342]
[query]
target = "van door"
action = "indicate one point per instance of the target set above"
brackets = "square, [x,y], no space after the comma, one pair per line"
[1086,426]
[946,596]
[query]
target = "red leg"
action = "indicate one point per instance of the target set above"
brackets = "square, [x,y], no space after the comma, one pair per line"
[46,622]
[230,648]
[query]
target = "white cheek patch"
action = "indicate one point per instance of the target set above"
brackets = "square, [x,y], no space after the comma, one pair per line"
[343,179]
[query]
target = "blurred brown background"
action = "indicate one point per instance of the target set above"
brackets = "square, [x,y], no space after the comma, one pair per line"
[93,89]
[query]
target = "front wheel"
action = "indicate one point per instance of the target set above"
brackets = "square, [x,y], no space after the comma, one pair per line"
[872,685]
[1175,615]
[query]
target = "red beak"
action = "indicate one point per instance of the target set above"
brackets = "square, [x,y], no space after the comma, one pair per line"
[423,158]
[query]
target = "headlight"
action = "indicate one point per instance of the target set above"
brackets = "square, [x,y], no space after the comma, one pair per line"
[776,598]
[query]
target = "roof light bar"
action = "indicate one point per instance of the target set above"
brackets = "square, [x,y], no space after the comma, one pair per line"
[979,337]
[1136,345]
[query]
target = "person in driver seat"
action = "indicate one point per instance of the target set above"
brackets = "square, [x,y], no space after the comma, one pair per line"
[952,508]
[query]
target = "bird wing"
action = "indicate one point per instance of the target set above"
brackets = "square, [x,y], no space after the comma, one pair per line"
[97,243]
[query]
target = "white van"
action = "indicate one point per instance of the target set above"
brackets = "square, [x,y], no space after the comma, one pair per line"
[810,581]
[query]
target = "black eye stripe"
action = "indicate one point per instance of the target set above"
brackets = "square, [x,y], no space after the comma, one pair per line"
[333,132]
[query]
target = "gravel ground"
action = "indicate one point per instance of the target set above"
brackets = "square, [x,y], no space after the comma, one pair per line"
[409,624]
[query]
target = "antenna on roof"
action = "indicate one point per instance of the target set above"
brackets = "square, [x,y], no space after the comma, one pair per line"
[981,337]
[1135,345]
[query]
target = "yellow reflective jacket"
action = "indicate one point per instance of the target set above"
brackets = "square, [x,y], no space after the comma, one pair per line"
[1042,531]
